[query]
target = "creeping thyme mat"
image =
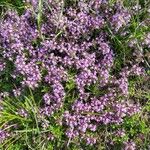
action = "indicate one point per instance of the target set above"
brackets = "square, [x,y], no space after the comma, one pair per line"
[74,75]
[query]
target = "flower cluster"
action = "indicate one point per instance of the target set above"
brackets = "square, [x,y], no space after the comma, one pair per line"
[147,40]
[3,135]
[130,145]
[70,39]
[2,65]
[30,71]
[121,18]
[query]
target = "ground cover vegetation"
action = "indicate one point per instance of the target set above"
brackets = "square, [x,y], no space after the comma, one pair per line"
[74,75]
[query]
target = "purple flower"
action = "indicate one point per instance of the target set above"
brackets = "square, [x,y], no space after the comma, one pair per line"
[130,146]
[2,65]
[72,42]
[23,113]
[3,135]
